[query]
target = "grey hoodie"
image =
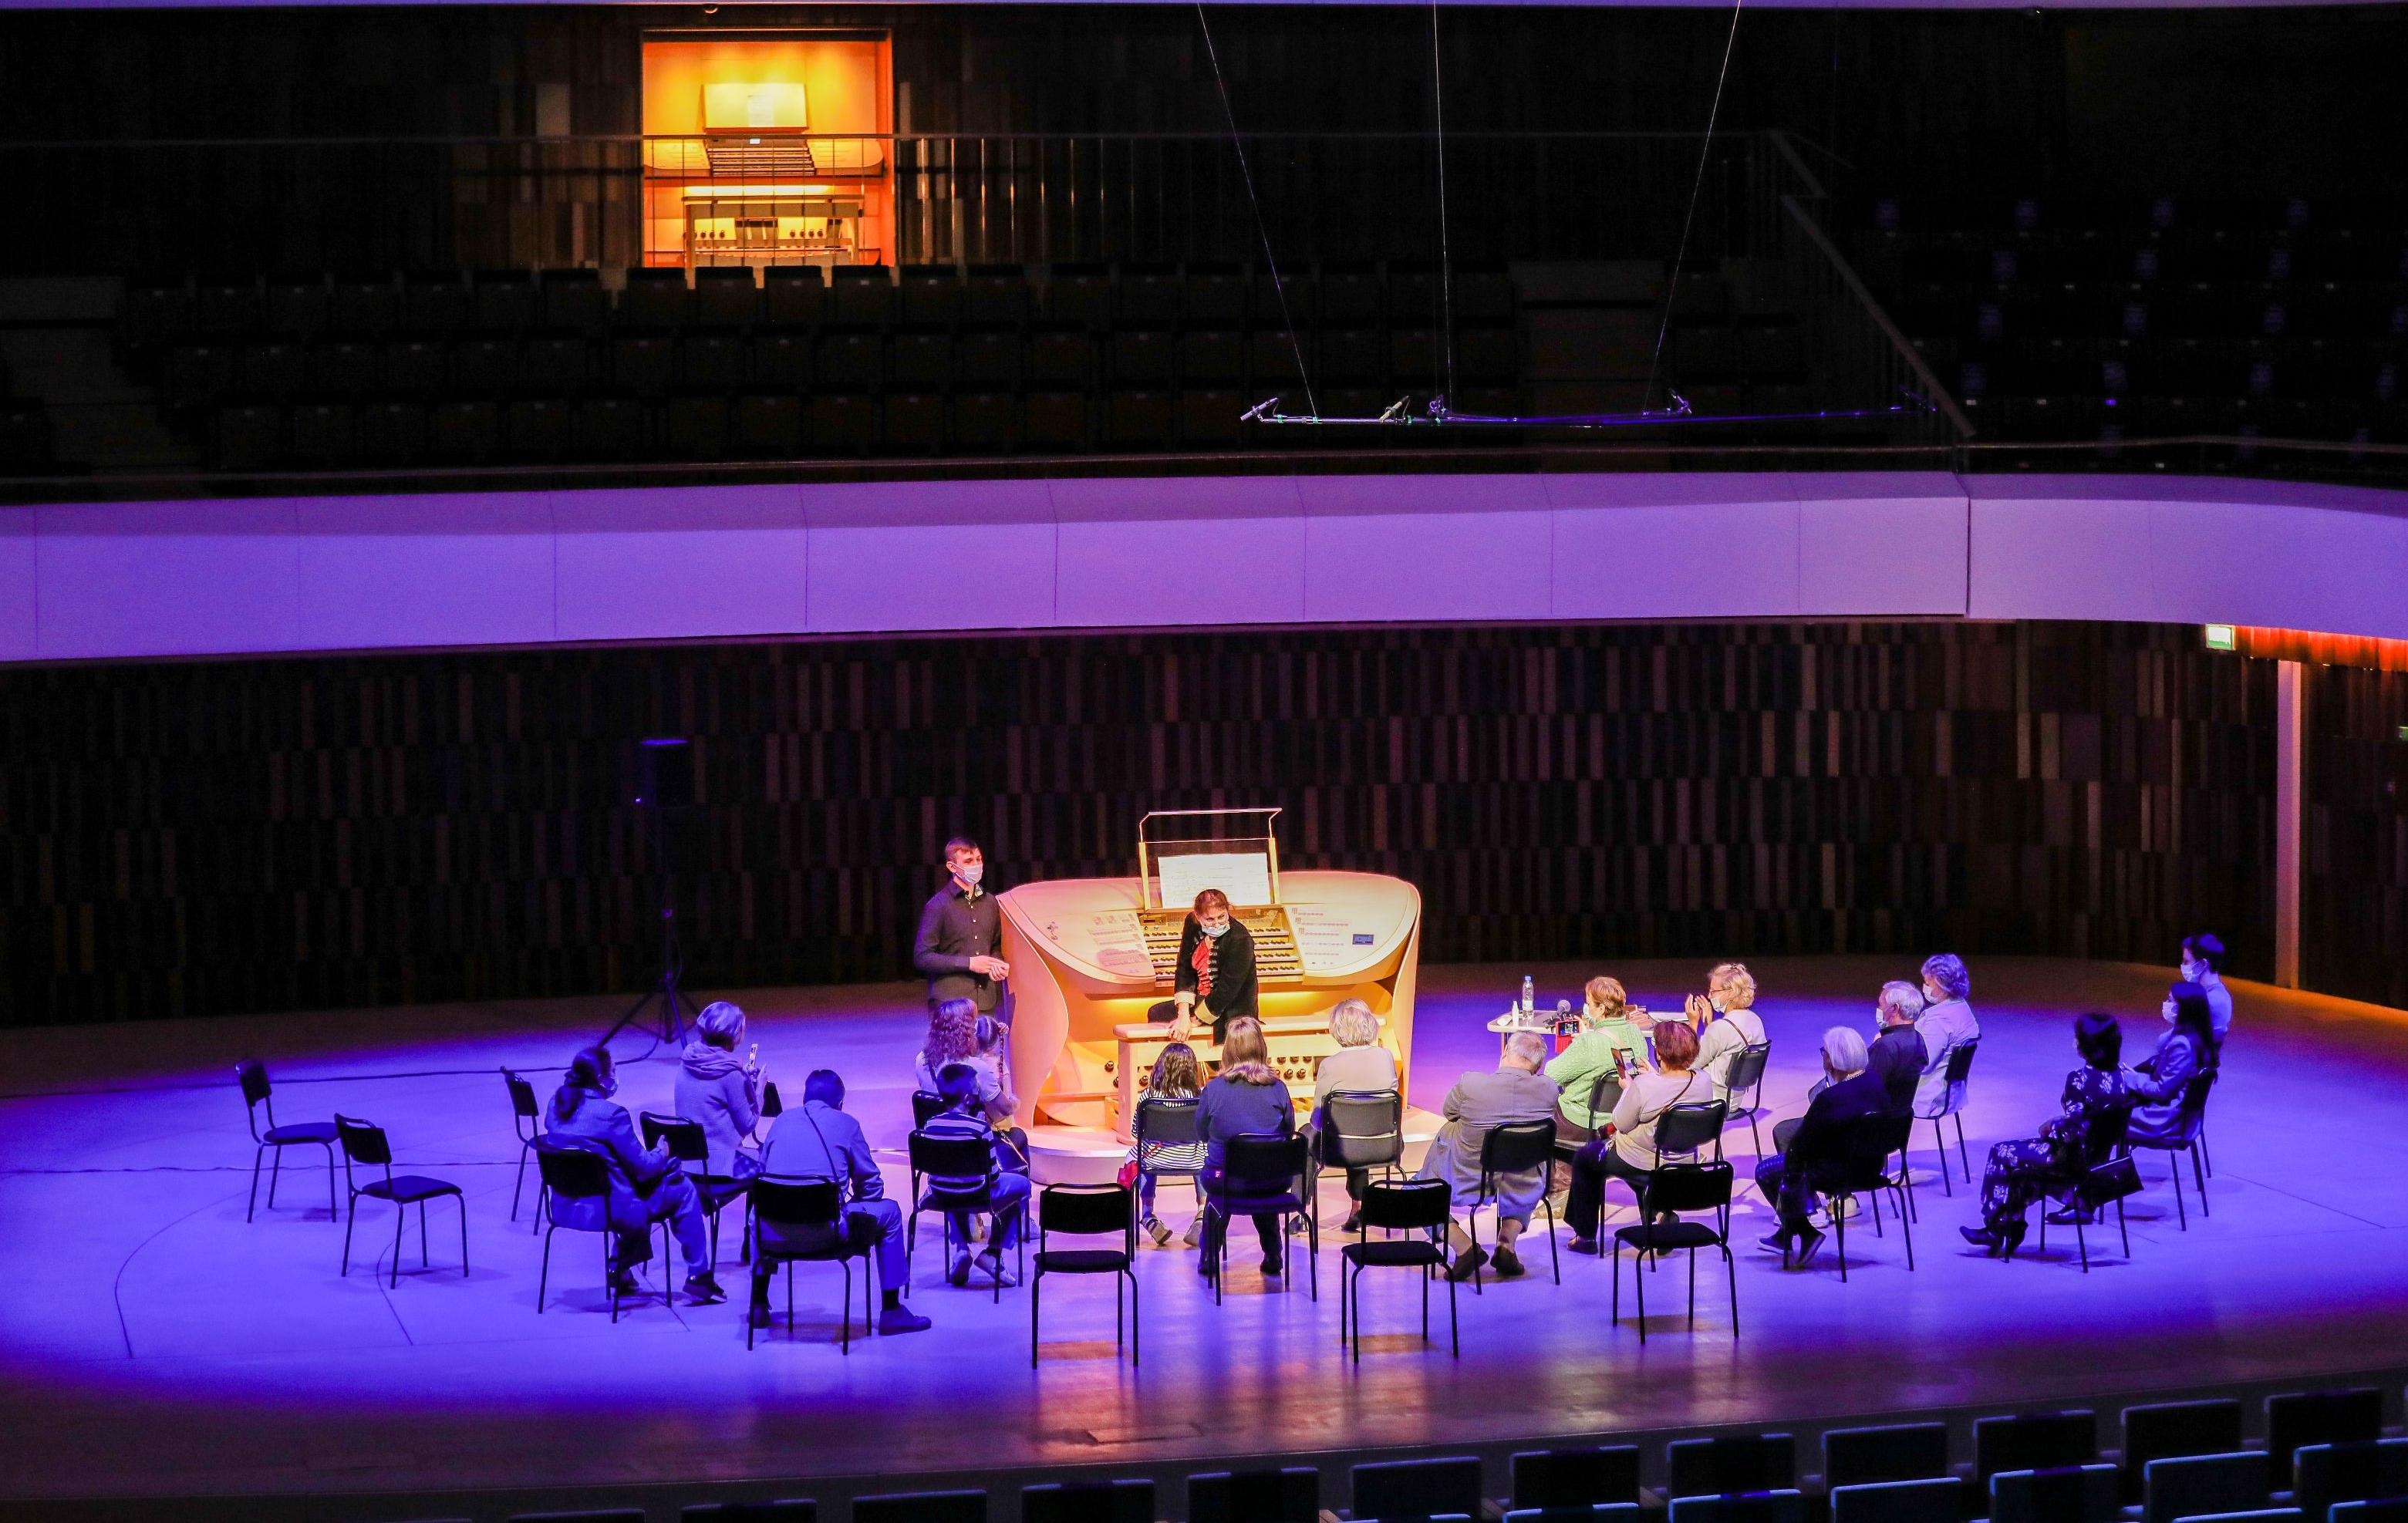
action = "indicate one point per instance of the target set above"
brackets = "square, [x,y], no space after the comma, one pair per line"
[713,1088]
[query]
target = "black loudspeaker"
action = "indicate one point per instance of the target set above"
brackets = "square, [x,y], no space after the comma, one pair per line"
[664,772]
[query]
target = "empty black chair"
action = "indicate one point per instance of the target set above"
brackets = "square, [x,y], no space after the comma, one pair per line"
[841,423]
[1080,294]
[527,1121]
[1931,1500]
[1782,1506]
[269,372]
[554,365]
[850,358]
[1129,1499]
[643,364]
[781,361]
[1054,422]
[417,369]
[794,296]
[769,427]
[611,428]
[1138,420]
[366,1144]
[2034,1441]
[692,1149]
[573,300]
[2171,1430]
[2198,1484]
[986,359]
[464,433]
[1288,1495]
[922,1507]
[157,311]
[694,426]
[570,1176]
[657,299]
[506,301]
[1407,1489]
[299,309]
[919,359]
[726,298]
[1212,357]
[1418,1208]
[983,423]
[249,437]
[2295,1419]
[392,433]
[1678,1188]
[201,375]
[930,295]
[713,361]
[995,293]
[1088,1211]
[351,370]
[1580,1477]
[251,1075]
[541,429]
[803,1221]
[1952,1102]
[1745,1076]
[1059,355]
[1264,1173]
[1729,1464]
[2326,1474]
[1212,420]
[1143,359]
[797,1511]
[1514,1148]
[2067,1494]
[367,307]
[229,308]
[1911,1451]
[486,366]
[863,295]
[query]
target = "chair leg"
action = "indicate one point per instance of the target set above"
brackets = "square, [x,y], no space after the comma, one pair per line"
[542,1196]
[2173,1166]
[2121,1227]
[1134,1329]
[1472,1230]
[1906,1227]
[422,1260]
[518,1183]
[1554,1254]
[275,1172]
[1940,1146]
[1639,1282]
[1693,1290]
[844,1307]
[461,1201]
[1034,1287]
[1960,1149]
[400,1215]
[1839,1230]
[330,1180]
[1454,1322]
[2081,1238]
[2198,1179]
[1752,1135]
[543,1275]
[1312,1240]
[353,1221]
[1731,1267]
[2205,1154]
[251,1209]
[1611,1251]
[610,1280]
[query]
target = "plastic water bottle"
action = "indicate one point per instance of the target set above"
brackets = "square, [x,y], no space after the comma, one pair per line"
[1530,995]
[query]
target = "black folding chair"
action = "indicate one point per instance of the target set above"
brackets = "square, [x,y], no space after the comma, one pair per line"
[691,1147]
[926,1107]
[363,1143]
[1745,1076]
[1865,1171]
[1952,1102]
[937,1159]
[572,1174]
[1684,1130]
[1087,1210]
[1162,1124]
[526,1120]
[803,1221]
[1510,1149]
[1262,1173]
[1420,1208]
[2107,1175]
[2191,1121]
[1678,1188]
[1363,1130]
[253,1075]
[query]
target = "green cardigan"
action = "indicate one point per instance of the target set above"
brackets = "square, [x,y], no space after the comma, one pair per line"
[1576,1068]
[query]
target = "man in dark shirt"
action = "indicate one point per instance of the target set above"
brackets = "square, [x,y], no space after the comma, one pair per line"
[1814,1155]
[1898,1053]
[960,932]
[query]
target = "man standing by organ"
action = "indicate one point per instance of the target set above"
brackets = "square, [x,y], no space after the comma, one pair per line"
[960,932]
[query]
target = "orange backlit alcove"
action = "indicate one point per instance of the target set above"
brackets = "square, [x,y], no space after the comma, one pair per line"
[766,147]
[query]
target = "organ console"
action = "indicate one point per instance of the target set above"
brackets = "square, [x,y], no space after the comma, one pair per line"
[1090,956]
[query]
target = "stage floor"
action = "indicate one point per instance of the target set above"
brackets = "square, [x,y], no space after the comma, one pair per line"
[159,1346]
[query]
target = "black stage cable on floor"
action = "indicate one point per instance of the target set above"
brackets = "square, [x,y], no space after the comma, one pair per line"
[319,1078]
[1262,228]
[1705,156]
[1445,249]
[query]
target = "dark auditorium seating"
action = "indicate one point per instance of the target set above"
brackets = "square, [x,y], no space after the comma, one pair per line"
[2033,1440]
[2171,1429]
[1416,1487]
[922,1507]
[1730,1462]
[1576,1477]
[1287,1495]
[1127,1500]
[2332,1416]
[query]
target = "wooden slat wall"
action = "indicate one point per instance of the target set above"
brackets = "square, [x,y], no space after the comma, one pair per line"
[200,837]
[2354,877]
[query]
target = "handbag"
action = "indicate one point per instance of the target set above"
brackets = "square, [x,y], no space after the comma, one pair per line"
[1127,1176]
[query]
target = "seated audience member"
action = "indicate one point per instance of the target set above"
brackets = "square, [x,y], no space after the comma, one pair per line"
[1245,1098]
[1359,1067]
[1479,1102]
[1896,1052]
[1814,1152]
[1177,1076]
[964,1087]
[817,1140]
[1725,1021]
[957,1033]
[2202,963]
[1627,1150]
[2021,1170]
[2157,1081]
[1945,1024]
[646,1184]
[722,1092]
[1608,1042]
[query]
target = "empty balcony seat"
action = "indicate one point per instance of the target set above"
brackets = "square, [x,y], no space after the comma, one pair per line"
[930,295]
[794,296]
[657,301]
[506,302]
[726,299]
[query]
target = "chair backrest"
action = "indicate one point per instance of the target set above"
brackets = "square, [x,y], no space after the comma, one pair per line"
[1087,1210]
[253,1075]
[927,1106]
[1406,1204]
[364,1142]
[1960,1061]
[1686,1128]
[1165,1121]
[523,1101]
[2034,1441]
[1929,1500]
[1576,1477]
[2335,1417]
[771,1106]
[1604,1093]
[951,1158]
[570,1173]
[1129,1499]
[595,1515]
[2205,1482]
[2066,1494]
[686,1138]
[1262,1156]
[750,1512]
[1363,1129]
[1782,1506]
[1746,1067]
[1597,1512]
[1906,1451]
[2107,1133]
[2389,1510]
[786,1202]
[1288,1495]
[1418,1488]
[922,1506]
[1733,1463]
[1871,1141]
[1517,1147]
[2171,1429]
[2331,1472]
[2195,1093]
[1689,1186]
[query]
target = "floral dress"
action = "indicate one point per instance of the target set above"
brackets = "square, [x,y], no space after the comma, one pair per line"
[2021,1170]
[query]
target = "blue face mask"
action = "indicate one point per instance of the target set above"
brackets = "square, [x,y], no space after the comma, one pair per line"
[1215,932]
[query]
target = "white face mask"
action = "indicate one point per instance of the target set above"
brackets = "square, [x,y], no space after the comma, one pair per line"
[969,873]
[1215,932]
[2191,972]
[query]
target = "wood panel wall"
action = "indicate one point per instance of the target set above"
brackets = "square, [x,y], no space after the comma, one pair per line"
[2354,872]
[198,837]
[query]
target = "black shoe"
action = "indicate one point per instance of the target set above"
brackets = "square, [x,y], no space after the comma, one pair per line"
[2071,1216]
[1467,1264]
[1580,1245]
[1803,1254]
[900,1318]
[1273,1269]
[1980,1237]
[1354,1222]
[2010,1238]
[703,1291]
[1509,1264]
[1774,1242]
[623,1284]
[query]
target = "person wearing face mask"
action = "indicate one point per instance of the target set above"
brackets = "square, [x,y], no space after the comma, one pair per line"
[960,932]
[1216,971]
[2202,962]
[646,1184]
[1945,1024]
[1725,1021]
[1609,1042]
[2157,1081]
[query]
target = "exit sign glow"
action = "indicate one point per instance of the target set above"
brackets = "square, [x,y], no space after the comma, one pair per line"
[2220,638]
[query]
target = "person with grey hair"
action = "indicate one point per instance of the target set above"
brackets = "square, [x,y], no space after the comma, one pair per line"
[1359,1067]
[1479,1103]
[722,1092]
[1627,1151]
[1945,1024]
[1814,1154]
[1896,1053]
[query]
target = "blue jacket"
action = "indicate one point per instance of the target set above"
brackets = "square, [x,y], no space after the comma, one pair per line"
[816,1141]
[602,1126]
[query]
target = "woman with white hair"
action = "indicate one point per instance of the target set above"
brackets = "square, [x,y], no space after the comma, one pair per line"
[1726,1021]
[1359,1067]
[1946,1023]
[1813,1156]
[723,1093]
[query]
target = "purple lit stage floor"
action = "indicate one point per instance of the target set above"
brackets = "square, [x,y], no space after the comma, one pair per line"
[153,1343]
